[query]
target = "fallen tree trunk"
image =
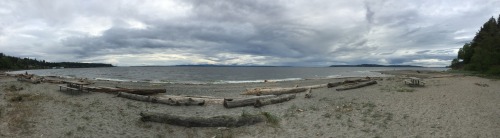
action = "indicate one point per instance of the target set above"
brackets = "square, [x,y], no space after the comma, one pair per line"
[275,91]
[357,85]
[275,100]
[216,121]
[231,103]
[207,99]
[330,85]
[133,91]
[335,84]
[34,81]
[179,102]
[308,93]
[135,97]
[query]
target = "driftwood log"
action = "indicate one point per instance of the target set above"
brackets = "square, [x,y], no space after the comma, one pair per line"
[308,93]
[133,91]
[335,84]
[136,97]
[275,100]
[168,101]
[274,91]
[207,99]
[181,101]
[216,121]
[357,85]
[34,81]
[232,103]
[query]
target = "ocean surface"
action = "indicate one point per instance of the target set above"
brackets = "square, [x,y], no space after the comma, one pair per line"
[215,75]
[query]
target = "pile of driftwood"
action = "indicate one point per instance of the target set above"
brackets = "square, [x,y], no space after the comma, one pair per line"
[28,78]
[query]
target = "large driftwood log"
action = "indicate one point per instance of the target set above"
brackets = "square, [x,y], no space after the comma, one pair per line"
[278,91]
[135,97]
[217,121]
[357,85]
[274,91]
[133,91]
[335,84]
[279,99]
[168,101]
[34,81]
[207,99]
[308,93]
[231,103]
[180,101]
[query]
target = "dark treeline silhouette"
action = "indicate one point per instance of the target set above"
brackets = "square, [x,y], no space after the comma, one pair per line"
[10,62]
[483,52]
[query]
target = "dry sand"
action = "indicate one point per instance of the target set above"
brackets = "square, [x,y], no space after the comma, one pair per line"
[450,105]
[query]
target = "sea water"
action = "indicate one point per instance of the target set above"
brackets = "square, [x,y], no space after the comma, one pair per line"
[215,75]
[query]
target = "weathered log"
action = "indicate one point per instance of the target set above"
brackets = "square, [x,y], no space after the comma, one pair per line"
[178,102]
[357,85]
[279,99]
[133,91]
[135,97]
[216,121]
[274,91]
[335,84]
[34,81]
[231,103]
[308,93]
[207,99]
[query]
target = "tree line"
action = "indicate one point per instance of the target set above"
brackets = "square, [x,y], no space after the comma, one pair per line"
[10,62]
[483,52]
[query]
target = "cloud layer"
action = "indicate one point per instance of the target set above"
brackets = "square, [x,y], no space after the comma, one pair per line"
[247,32]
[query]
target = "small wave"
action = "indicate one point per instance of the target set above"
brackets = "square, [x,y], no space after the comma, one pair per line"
[118,80]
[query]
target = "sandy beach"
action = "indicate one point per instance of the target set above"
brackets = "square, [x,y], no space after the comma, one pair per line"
[449,105]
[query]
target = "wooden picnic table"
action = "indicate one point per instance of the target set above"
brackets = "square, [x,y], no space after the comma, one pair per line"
[73,85]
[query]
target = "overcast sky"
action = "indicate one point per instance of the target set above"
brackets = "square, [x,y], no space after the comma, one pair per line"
[243,32]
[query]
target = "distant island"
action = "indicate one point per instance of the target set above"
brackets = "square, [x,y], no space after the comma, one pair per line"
[373,65]
[10,62]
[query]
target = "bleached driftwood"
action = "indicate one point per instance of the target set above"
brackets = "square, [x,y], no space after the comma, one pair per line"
[179,102]
[231,103]
[274,91]
[135,97]
[34,81]
[308,93]
[133,91]
[275,100]
[216,121]
[357,85]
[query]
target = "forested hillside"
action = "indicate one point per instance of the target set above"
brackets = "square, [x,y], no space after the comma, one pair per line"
[483,52]
[10,62]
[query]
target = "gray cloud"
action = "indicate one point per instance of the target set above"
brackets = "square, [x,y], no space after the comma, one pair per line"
[302,33]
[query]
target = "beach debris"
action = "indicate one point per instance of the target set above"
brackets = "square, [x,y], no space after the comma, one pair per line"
[308,93]
[168,101]
[335,84]
[482,84]
[279,91]
[274,91]
[357,85]
[300,110]
[275,100]
[231,103]
[216,121]
[127,90]
[179,102]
